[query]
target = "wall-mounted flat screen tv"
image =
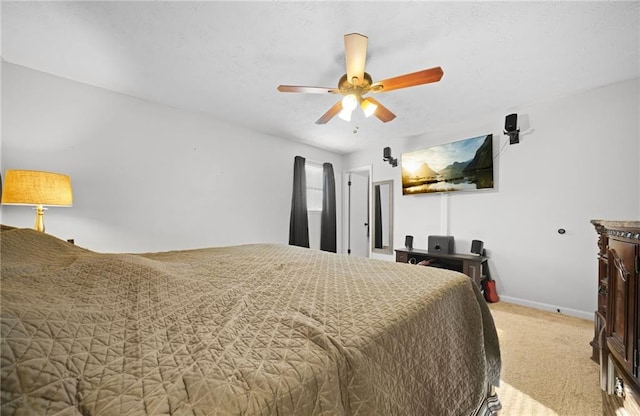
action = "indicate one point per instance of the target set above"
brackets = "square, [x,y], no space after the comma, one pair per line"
[465,165]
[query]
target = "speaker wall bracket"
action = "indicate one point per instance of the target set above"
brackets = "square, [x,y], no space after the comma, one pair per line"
[514,136]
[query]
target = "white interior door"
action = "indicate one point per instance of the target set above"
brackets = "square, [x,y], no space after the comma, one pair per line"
[358,213]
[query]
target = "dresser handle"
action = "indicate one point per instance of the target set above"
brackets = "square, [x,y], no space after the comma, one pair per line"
[618,388]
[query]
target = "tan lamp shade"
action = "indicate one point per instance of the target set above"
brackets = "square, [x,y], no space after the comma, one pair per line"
[32,187]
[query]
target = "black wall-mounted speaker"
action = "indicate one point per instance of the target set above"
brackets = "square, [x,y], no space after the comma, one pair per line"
[386,153]
[511,123]
[477,246]
[408,242]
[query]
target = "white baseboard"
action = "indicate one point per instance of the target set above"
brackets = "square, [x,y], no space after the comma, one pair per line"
[550,308]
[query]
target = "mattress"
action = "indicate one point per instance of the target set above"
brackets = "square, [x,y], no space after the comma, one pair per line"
[259,329]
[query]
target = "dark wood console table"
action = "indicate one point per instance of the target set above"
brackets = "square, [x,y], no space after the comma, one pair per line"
[469,264]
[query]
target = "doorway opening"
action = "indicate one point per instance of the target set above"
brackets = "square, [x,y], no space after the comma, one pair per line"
[357,212]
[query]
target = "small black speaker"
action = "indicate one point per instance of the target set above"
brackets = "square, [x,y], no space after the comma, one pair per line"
[511,123]
[386,153]
[408,242]
[477,247]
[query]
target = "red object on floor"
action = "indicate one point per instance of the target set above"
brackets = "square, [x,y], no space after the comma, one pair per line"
[490,293]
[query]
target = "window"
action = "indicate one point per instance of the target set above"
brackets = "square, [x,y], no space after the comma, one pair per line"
[313,172]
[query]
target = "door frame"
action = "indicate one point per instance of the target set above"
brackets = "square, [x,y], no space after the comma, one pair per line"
[345,204]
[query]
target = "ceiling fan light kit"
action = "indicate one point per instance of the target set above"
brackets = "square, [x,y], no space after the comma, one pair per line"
[350,102]
[343,114]
[368,107]
[356,83]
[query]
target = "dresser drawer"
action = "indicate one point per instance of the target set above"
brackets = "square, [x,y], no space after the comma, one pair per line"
[621,398]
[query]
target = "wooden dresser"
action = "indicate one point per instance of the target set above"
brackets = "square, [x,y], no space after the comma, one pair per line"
[616,341]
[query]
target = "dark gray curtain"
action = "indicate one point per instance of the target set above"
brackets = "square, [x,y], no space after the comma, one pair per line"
[328,218]
[377,218]
[299,222]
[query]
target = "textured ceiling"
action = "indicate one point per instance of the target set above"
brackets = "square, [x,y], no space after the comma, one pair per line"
[227,58]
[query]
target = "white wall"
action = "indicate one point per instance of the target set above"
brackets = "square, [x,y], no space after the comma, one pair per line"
[577,160]
[146,177]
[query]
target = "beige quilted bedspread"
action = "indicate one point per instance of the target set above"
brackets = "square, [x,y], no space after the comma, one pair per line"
[248,330]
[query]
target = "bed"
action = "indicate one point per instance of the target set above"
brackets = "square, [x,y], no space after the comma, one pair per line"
[258,329]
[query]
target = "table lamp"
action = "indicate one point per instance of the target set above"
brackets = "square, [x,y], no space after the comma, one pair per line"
[32,187]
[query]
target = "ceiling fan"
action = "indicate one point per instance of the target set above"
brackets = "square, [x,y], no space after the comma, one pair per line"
[356,83]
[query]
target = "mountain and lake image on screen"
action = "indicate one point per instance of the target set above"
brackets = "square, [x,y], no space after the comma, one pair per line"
[464,165]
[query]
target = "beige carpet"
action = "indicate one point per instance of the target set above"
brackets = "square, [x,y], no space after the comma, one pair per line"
[546,363]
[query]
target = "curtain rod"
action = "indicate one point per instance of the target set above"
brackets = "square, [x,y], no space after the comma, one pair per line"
[314,161]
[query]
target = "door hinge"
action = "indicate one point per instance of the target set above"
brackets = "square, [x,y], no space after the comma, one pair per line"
[349,183]
[349,251]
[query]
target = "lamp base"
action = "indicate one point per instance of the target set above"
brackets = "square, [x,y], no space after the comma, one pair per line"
[39,225]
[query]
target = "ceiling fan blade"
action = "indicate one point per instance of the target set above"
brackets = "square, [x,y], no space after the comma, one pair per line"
[408,80]
[355,55]
[308,90]
[337,107]
[382,112]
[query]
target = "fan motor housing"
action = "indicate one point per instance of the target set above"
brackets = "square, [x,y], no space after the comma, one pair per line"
[347,87]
